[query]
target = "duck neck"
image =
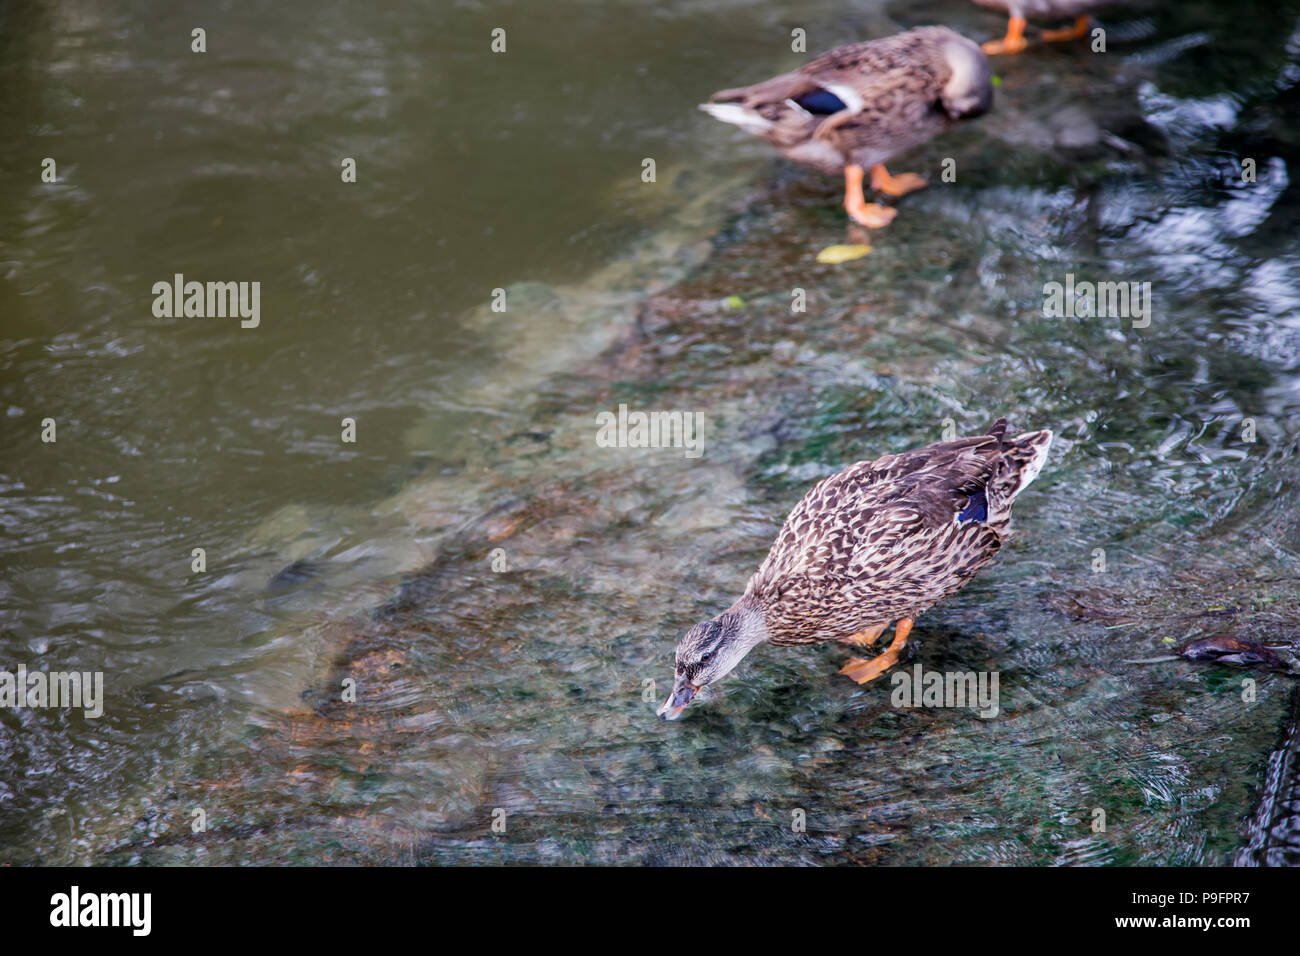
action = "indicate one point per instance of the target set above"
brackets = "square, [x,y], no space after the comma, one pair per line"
[753,622]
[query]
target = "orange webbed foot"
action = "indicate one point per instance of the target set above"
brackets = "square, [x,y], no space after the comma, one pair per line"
[861,670]
[899,185]
[865,638]
[869,214]
[1079,30]
[872,215]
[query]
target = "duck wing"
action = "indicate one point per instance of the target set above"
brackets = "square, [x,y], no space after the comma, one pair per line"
[888,538]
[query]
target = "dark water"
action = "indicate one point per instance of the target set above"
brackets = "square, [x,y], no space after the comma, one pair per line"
[525,692]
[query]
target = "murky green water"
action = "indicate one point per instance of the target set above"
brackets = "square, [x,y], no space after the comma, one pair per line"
[524,691]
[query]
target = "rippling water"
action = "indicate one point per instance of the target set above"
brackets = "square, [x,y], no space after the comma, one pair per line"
[522,694]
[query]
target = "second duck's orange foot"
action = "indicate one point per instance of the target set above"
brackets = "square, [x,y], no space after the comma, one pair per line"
[1013,42]
[868,214]
[1080,29]
[872,215]
[899,185]
[862,671]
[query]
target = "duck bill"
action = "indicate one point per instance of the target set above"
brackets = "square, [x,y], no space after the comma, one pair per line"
[683,693]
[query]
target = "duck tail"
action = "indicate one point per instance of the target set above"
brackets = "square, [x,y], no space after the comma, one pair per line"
[760,109]
[737,114]
[1019,463]
[1025,457]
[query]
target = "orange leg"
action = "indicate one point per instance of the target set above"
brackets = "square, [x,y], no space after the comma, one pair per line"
[1080,29]
[862,670]
[899,185]
[871,215]
[866,638]
[1013,42]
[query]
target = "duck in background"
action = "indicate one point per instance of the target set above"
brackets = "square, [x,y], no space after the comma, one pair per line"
[855,107]
[877,543]
[1020,10]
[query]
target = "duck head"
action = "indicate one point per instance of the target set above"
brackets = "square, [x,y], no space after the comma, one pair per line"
[969,90]
[710,650]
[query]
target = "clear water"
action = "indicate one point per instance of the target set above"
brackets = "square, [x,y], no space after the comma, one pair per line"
[525,692]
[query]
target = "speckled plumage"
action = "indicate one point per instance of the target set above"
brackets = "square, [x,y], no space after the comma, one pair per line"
[899,92]
[881,539]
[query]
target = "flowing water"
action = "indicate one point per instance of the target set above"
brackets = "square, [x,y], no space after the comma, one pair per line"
[465,617]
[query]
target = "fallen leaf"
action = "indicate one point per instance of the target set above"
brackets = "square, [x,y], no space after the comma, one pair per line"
[837,254]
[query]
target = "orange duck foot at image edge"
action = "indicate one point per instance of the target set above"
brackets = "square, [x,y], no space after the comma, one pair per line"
[1013,42]
[1076,32]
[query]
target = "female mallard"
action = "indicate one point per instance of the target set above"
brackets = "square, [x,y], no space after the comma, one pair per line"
[854,108]
[1018,10]
[881,541]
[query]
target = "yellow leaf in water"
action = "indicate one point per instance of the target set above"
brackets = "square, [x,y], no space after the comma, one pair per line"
[837,254]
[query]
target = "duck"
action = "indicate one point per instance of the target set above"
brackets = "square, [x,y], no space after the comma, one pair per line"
[1019,10]
[855,107]
[878,543]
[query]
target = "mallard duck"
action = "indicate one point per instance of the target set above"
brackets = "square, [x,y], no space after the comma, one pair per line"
[855,107]
[1018,10]
[879,542]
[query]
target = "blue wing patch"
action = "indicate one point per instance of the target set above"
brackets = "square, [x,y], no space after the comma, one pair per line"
[821,102]
[977,509]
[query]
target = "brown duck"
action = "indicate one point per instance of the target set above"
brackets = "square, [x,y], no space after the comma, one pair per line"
[879,542]
[855,107]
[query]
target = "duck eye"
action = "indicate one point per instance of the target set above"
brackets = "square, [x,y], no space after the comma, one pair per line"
[704,658]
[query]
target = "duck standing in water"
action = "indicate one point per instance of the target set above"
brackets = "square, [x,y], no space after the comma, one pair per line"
[852,109]
[1019,10]
[879,542]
